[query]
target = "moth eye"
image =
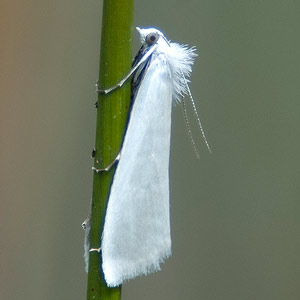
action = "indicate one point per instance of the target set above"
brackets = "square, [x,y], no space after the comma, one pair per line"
[151,38]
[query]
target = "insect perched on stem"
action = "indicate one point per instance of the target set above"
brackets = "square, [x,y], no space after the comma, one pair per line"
[136,236]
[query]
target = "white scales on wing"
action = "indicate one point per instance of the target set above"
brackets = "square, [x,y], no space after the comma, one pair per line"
[136,236]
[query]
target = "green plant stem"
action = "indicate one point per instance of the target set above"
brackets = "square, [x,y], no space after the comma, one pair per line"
[112,113]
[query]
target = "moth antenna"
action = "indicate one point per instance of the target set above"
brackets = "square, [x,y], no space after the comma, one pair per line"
[196,112]
[188,128]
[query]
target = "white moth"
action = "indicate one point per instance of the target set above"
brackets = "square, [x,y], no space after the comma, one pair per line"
[136,236]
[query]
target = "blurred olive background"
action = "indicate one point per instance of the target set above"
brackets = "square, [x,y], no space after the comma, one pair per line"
[235,212]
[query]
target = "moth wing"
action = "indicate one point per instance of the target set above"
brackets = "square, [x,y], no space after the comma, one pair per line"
[136,236]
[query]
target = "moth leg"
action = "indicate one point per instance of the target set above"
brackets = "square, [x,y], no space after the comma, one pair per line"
[86,226]
[93,153]
[144,58]
[99,91]
[95,250]
[86,223]
[96,91]
[109,166]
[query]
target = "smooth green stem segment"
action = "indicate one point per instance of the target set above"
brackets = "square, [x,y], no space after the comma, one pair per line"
[112,113]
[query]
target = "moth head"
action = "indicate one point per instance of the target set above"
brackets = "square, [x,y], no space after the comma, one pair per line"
[150,36]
